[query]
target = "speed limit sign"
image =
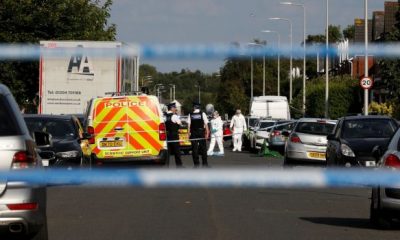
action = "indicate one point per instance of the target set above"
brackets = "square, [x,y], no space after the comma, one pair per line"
[366,83]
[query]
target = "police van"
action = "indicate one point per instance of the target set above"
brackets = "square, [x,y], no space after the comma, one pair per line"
[126,128]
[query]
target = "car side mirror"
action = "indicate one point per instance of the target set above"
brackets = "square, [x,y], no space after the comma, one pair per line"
[42,139]
[377,152]
[286,133]
[86,136]
[331,137]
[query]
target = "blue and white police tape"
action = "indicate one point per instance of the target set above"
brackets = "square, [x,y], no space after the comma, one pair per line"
[189,51]
[227,178]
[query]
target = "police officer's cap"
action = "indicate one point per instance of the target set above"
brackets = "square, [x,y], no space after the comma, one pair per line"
[171,105]
[196,105]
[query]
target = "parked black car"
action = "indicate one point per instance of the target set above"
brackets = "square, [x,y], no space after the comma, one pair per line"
[355,137]
[67,137]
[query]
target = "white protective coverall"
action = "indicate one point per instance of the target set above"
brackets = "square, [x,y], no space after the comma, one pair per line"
[216,135]
[238,124]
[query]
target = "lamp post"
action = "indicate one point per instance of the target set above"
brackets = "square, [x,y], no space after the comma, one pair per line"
[156,90]
[366,56]
[291,54]
[252,71]
[279,60]
[171,92]
[327,62]
[198,87]
[304,47]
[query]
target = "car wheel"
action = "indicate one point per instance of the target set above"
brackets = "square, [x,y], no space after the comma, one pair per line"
[378,217]
[42,234]
[330,162]
[165,162]
[287,162]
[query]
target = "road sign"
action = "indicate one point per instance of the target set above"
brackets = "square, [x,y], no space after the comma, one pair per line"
[366,83]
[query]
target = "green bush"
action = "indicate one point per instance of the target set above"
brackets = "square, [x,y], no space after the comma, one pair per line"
[344,98]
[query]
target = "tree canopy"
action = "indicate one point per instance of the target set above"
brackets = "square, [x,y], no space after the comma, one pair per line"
[29,21]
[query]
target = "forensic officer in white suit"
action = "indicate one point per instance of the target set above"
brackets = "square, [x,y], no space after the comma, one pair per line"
[238,126]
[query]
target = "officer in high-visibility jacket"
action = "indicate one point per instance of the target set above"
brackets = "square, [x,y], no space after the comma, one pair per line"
[198,127]
[172,124]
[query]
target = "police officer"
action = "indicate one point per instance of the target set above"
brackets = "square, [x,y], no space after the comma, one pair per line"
[172,124]
[198,126]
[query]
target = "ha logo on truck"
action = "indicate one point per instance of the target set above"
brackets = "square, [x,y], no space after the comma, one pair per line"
[80,67]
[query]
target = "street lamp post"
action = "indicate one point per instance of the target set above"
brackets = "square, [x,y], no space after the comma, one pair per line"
[279,60]
[304,47]
[172,92]
[291,55]
[366,56]
[198,88]
[252,71]
[327,62]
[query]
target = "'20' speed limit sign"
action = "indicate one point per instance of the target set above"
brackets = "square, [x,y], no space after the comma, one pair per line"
[366,83]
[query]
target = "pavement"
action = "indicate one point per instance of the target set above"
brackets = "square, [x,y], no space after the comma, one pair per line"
[202,213]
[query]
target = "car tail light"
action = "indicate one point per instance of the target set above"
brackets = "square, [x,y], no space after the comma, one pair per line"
[295,139]
[227,132]
[275,133]
[392,161]
[91,132]
[23,206]
[22,159]
[162,132]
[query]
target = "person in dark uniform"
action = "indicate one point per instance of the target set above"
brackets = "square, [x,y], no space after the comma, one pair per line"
[172,124]
[198,127]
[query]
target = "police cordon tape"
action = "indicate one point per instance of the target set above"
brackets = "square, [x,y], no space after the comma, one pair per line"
[190,51]
[230,135]
[217,178]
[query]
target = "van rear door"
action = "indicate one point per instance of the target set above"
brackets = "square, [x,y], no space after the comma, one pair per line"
[110,127]
[144,122]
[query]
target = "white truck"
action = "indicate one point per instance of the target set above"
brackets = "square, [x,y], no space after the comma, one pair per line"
[68,82]
[271,107]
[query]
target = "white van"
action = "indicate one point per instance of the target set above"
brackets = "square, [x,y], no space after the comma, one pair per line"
[271,107]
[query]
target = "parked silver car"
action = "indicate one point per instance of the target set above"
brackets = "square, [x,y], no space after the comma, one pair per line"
[307,141]
[22,206]
[385,202]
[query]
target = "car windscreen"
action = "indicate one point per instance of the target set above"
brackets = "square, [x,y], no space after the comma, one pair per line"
[264,125]
[315,128]
[58,128]
[284,126]
[7,122]
[368,128]
[253,122]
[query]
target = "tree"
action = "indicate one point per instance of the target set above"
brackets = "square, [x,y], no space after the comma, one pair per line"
[349,32]
[335,35]
[29,21]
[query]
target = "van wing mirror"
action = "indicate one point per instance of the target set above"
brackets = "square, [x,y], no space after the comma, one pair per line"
[86,136]
[42,139]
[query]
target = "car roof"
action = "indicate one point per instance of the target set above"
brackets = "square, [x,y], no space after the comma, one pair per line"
[267,120]
[4,90]
[65,117]
[360,117]
[317,120]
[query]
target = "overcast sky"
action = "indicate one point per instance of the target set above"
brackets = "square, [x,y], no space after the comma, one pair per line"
[223,21]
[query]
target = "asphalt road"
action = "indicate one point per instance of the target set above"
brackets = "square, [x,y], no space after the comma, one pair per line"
[136,213]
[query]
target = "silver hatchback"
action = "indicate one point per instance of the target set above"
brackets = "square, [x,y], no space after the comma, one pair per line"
[307,141]
[22,206]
